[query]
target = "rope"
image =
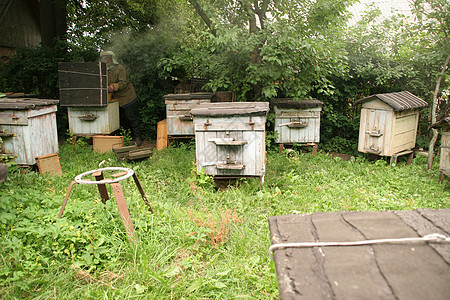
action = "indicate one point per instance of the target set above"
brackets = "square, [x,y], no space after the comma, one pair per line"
[434,237]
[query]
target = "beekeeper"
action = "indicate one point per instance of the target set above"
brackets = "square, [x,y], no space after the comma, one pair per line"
[119,84]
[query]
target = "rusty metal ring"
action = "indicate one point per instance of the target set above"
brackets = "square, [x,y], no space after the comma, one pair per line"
[79,179]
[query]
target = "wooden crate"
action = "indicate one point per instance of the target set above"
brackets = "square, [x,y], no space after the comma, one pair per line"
[29,128]
[178,107]
[230,138]
[389,123]
[104,143]
[49,164]
[297,121]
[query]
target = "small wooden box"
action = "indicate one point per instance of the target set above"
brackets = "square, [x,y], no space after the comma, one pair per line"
[104,143]
[49,164]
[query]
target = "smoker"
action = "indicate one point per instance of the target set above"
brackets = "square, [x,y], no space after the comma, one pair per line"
[28,128]
[297,121]
[178,107]
[230,138]
[388,125]
[83,88]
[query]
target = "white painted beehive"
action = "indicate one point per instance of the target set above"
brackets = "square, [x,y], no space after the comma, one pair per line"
[230,138]
[178,107]
[83,90]
[389,122]
[444,164]
[297,121]
[28,128]
[91,121]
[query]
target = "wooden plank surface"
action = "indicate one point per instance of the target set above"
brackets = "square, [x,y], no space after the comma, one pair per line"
[387,271]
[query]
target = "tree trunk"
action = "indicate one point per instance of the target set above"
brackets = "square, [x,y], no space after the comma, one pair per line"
[433,114]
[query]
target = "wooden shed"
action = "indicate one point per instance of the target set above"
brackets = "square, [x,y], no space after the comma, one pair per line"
[297,121]
[444,165]
[20,25]
[28,128]
[230,138]
[362,255]
[388,125]
[83,88]
[178,107]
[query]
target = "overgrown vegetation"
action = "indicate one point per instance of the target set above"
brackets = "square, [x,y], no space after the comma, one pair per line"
[200,242]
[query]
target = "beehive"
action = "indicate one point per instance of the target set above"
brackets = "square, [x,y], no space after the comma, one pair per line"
[83,90]
[297,121]
[230,138]
[444,164]
[388,123]
[28,128]
[178,106]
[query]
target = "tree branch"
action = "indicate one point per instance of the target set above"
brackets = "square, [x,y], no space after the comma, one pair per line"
[204,16]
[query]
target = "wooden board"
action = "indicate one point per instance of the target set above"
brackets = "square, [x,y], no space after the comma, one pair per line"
[161,135]
[104,143]
[384,271]
[49,164]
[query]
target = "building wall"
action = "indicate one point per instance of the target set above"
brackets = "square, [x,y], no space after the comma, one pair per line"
[19,25]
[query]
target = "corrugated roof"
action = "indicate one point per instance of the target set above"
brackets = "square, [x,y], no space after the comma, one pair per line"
[231,108]
[399,101]
[291,103]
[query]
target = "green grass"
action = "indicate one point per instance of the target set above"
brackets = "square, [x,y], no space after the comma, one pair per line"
[200,243]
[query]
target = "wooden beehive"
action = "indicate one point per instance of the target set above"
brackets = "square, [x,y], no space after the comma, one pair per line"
[28,128]
[178,106]
[444,164]
[230,138]
[389,122]
[297,121]
[91,121]
[83,89]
